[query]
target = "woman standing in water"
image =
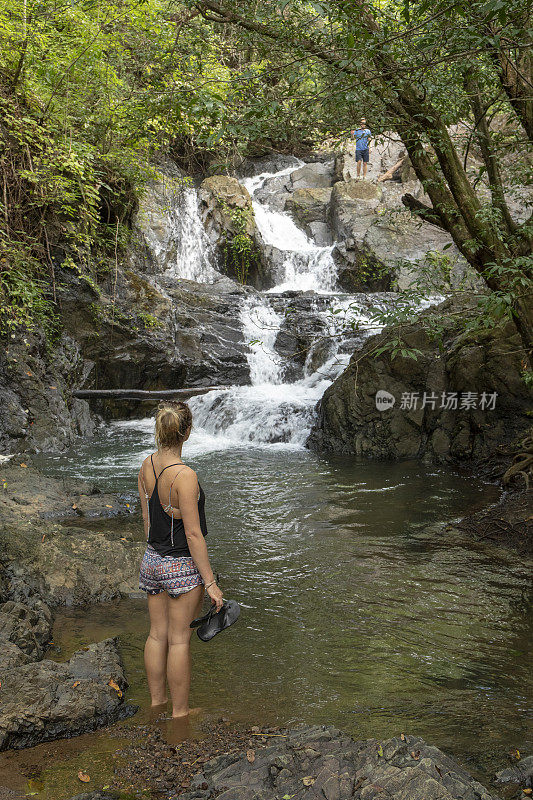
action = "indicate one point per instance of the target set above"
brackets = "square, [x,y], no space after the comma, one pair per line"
[175,569]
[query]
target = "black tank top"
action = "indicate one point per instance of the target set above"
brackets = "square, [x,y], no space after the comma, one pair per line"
[166,534]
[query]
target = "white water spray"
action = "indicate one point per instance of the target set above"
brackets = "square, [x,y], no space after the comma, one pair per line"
[192,251]
[304,265]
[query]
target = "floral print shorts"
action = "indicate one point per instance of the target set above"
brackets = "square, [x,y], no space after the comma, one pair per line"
[174,575]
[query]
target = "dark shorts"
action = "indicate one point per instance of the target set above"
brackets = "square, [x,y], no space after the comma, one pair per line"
[362,155]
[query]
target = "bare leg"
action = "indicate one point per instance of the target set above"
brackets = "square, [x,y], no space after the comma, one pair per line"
[181,611]
[365,167]
[359,168]
[155,649]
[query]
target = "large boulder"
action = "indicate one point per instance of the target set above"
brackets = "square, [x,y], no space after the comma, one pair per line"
[25,628]
[168,335]
[48,700]
[358,269]
[323,763]
[388,408]
[38,411]
[230,224]
[310,209]
[407,245]
[353,208]
[316,175]
[45,562]
[77,567]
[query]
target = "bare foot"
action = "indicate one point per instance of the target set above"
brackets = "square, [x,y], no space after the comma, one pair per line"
[192,712]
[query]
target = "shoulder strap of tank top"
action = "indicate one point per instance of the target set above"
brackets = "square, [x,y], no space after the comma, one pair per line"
[169,507]
[172,484]
[177,464]
[152,460]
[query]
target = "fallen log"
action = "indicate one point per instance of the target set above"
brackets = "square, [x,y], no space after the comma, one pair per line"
[387,176]
[143,394]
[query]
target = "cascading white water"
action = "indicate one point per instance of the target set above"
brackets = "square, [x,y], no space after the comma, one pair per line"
[304,265]
[193,258]
[260,327]
[270,411]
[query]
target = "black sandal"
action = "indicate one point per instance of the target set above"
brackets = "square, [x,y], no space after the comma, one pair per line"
[213,622]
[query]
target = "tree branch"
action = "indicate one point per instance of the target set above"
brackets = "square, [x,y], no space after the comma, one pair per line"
[423,211]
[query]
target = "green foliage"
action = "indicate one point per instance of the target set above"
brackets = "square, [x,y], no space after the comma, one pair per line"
[239,248]
[91,91]
[24,305]
[149,321]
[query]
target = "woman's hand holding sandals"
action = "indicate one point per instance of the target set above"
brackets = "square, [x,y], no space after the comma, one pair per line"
[215,594]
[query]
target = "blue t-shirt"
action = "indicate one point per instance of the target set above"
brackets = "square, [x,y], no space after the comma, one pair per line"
[361,138]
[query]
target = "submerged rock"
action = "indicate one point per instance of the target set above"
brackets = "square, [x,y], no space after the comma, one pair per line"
[521,772]
[322,762]
[473,366]
[47,700]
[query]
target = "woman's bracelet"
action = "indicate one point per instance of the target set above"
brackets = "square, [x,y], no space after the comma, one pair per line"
[207,585]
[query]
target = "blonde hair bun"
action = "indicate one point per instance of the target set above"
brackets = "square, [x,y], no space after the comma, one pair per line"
[172,423]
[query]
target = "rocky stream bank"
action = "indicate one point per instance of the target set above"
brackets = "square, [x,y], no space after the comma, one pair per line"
[300,762]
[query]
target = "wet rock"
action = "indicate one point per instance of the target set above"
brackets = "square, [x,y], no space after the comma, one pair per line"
[308,207]
[24,627]
[27,493]
[48,700]
[349,420]
[403,768]
[520,772]
[230,224]
[38,412]
[298,339]
[275,192]
[11,655]
[78,567]
[317,175]
[271,163]
[155,217]
[190,335]
[359,270]
[46,562]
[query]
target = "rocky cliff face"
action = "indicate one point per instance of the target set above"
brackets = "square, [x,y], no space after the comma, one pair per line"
[439,406]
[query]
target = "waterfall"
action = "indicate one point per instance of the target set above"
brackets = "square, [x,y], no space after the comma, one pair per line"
[304,266]
[272,411]
[269,411]
[192,251]
[260,326]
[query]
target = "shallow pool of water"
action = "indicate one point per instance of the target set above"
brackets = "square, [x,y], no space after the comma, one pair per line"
[359,609]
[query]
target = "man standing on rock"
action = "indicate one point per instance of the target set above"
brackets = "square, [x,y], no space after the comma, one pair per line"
[362,147]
